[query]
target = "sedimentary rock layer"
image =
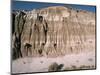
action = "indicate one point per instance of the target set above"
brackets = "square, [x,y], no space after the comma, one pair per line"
[54,31]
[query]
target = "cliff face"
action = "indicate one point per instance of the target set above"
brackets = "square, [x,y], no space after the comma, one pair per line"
[54,31]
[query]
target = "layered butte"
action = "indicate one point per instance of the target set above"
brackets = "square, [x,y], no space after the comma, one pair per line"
[54,31]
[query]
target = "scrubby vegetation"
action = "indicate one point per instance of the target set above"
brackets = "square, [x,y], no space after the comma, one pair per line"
[55,67]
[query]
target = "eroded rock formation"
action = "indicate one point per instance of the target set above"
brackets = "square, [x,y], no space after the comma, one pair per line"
[54,31]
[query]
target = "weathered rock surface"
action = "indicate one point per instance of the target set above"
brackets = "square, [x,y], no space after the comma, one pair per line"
[54,31]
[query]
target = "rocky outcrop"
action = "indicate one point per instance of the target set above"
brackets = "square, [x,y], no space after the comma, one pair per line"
[54,31]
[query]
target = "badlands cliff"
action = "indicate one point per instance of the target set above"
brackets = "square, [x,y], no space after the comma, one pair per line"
[53,31]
